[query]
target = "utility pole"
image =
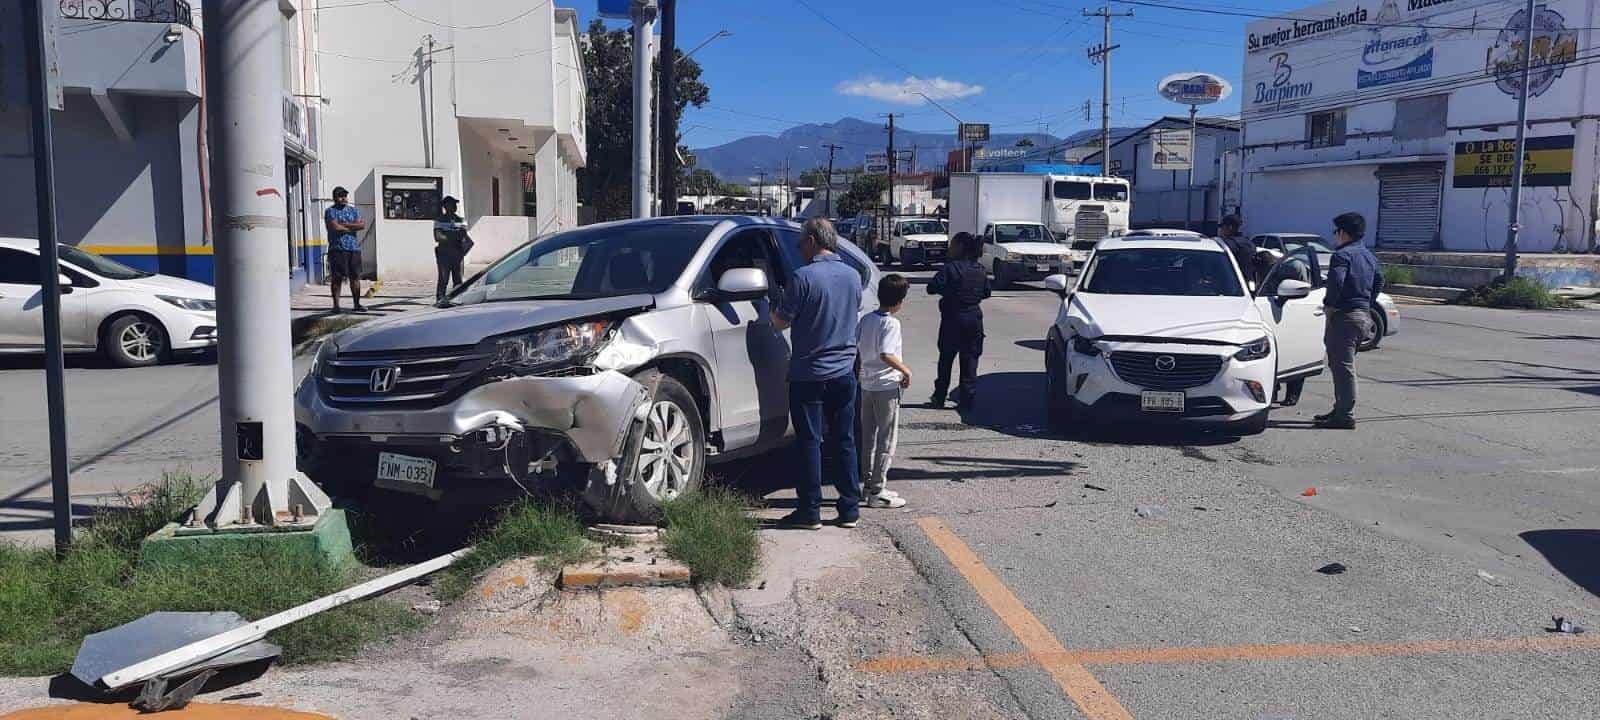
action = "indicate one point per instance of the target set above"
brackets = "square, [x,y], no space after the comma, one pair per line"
[761,192]
[666,108]
[44,176]
[1188,195]
[828,202]
[644,23]
[893,161]
[244,79]
[1102,54]
[1512,228]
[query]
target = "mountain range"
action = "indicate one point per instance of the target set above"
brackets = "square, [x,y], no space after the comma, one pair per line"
[805,146]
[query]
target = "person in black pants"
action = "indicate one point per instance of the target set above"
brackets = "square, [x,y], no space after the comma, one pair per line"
[961,286]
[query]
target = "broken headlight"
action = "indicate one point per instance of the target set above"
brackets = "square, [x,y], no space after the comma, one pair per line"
[552,347]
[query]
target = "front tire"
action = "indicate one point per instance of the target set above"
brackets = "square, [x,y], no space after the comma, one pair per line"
[1378,329]
[135,341]
[663,458]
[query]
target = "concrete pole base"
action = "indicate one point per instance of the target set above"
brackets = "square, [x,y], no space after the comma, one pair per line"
[226,509]
[325,541]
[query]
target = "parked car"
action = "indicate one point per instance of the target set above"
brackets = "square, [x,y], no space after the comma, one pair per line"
[617,359]
[1166,327]
[1385,317]
[131,316]
[1022,250]
[912,241]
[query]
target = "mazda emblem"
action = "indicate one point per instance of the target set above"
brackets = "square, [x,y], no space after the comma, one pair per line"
[1164,363]
[384,379]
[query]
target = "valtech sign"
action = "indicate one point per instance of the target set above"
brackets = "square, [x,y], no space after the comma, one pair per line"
[1488,163]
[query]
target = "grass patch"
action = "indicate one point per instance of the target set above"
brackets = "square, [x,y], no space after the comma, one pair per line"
[525,528]
[1396,275]
[1518,292]
[710,532]
[47,604]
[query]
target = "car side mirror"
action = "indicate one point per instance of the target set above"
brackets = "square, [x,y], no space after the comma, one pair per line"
[1291,289]
[742,284]
[1056,284]
[65,283]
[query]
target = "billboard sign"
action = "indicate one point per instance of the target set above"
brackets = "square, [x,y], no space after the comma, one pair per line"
[877,162]
[1171,150]
[1554,47]
[1488,163]
[1194,88]
[974,132]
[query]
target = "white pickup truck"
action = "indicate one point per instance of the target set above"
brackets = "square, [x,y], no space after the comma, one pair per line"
[1016,250]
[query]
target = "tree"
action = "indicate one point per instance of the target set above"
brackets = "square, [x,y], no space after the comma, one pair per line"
[699,182]
[865,191]
[815,177]
[603,184]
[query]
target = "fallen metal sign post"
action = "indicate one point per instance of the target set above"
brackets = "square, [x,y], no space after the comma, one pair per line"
[199,651]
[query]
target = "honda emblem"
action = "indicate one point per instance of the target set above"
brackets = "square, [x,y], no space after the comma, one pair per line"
[384,379]
[1164,363]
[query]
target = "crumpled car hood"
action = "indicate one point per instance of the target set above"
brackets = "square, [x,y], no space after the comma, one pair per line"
[1220,319]
[470,324]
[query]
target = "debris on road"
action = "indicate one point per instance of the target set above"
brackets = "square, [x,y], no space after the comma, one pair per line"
[1333,569]
[1564,626]
[1149,511]
[1090,486]
[1052,503]
[1308,492]
[1492,580]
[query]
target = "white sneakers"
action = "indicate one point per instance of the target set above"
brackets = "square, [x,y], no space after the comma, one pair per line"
[886,499]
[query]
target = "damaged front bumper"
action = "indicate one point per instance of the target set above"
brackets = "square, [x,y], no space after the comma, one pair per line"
[492,431]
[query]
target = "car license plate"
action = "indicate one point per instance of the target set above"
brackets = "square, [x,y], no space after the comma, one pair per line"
[1042,267]
[1163,402]
[405,471]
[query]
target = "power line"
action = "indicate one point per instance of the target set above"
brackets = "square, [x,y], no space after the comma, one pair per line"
[855,39]
[392,5]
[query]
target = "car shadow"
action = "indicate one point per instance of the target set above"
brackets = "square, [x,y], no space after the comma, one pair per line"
[1574,553]
[96,361]
[1028,419]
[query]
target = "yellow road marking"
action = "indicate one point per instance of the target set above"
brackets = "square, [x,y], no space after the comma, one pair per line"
[1137,656]
[1090,696]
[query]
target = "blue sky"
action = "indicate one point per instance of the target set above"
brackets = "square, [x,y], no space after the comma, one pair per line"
[1019,64]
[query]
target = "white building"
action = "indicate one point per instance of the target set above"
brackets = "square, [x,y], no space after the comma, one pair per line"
[1164,197]
[483,100]
[1405,111]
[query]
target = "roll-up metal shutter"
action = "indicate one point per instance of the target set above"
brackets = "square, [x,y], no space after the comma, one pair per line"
[1408,206]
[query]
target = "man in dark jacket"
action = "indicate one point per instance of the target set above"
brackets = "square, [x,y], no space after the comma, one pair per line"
[450,246]
[1243,251]
[961,285]
[1353,287]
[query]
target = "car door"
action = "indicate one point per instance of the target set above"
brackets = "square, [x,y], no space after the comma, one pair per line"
[1297,323]
[752,357]
[22,305]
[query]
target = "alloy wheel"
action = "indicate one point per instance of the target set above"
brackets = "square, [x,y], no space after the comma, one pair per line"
[140,341]
[666,452]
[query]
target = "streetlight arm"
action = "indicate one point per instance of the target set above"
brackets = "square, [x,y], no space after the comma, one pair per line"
[714,36]
[935,103]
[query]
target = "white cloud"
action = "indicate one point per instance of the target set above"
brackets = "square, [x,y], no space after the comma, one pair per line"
[904,91]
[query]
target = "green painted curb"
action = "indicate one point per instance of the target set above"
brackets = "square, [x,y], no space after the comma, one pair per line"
[328,539]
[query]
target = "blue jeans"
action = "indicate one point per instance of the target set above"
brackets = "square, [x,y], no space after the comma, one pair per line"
[824,415]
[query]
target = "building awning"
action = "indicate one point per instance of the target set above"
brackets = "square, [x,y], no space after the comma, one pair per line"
[1390,160]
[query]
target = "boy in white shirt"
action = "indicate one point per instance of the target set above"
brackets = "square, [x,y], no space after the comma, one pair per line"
[883,376]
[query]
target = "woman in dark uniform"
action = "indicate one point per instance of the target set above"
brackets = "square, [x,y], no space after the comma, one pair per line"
[961,286]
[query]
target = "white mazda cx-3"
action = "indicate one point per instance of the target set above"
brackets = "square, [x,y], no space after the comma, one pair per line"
[1161,328]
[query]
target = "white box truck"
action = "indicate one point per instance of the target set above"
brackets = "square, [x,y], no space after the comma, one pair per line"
[1078,210]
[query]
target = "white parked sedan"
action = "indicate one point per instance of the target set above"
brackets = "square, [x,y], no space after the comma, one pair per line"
[132,316]
[1165,327]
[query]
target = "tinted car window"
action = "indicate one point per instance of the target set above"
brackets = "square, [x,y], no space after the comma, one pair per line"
[18,267]
[102,266]
[1072,190]
[921,227]
[1111,192]
[607,261]
[1161,271]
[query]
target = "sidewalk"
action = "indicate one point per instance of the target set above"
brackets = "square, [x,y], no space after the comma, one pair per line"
[381,299]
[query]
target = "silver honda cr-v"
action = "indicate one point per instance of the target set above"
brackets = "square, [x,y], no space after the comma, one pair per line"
[616,359]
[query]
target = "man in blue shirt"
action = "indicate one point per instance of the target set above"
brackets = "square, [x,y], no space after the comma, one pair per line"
[1353,287]
[821,307]
[344,248]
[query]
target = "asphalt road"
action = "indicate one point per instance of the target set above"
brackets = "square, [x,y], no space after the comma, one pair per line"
[1464,507]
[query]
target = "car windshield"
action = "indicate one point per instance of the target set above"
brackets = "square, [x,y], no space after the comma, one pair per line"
[922,227]
[606,261]
[104,267]
[1022,233]
[1114,192]
[1072,190]
[1162,271]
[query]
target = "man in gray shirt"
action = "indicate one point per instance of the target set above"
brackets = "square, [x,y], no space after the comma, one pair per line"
[820,308]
